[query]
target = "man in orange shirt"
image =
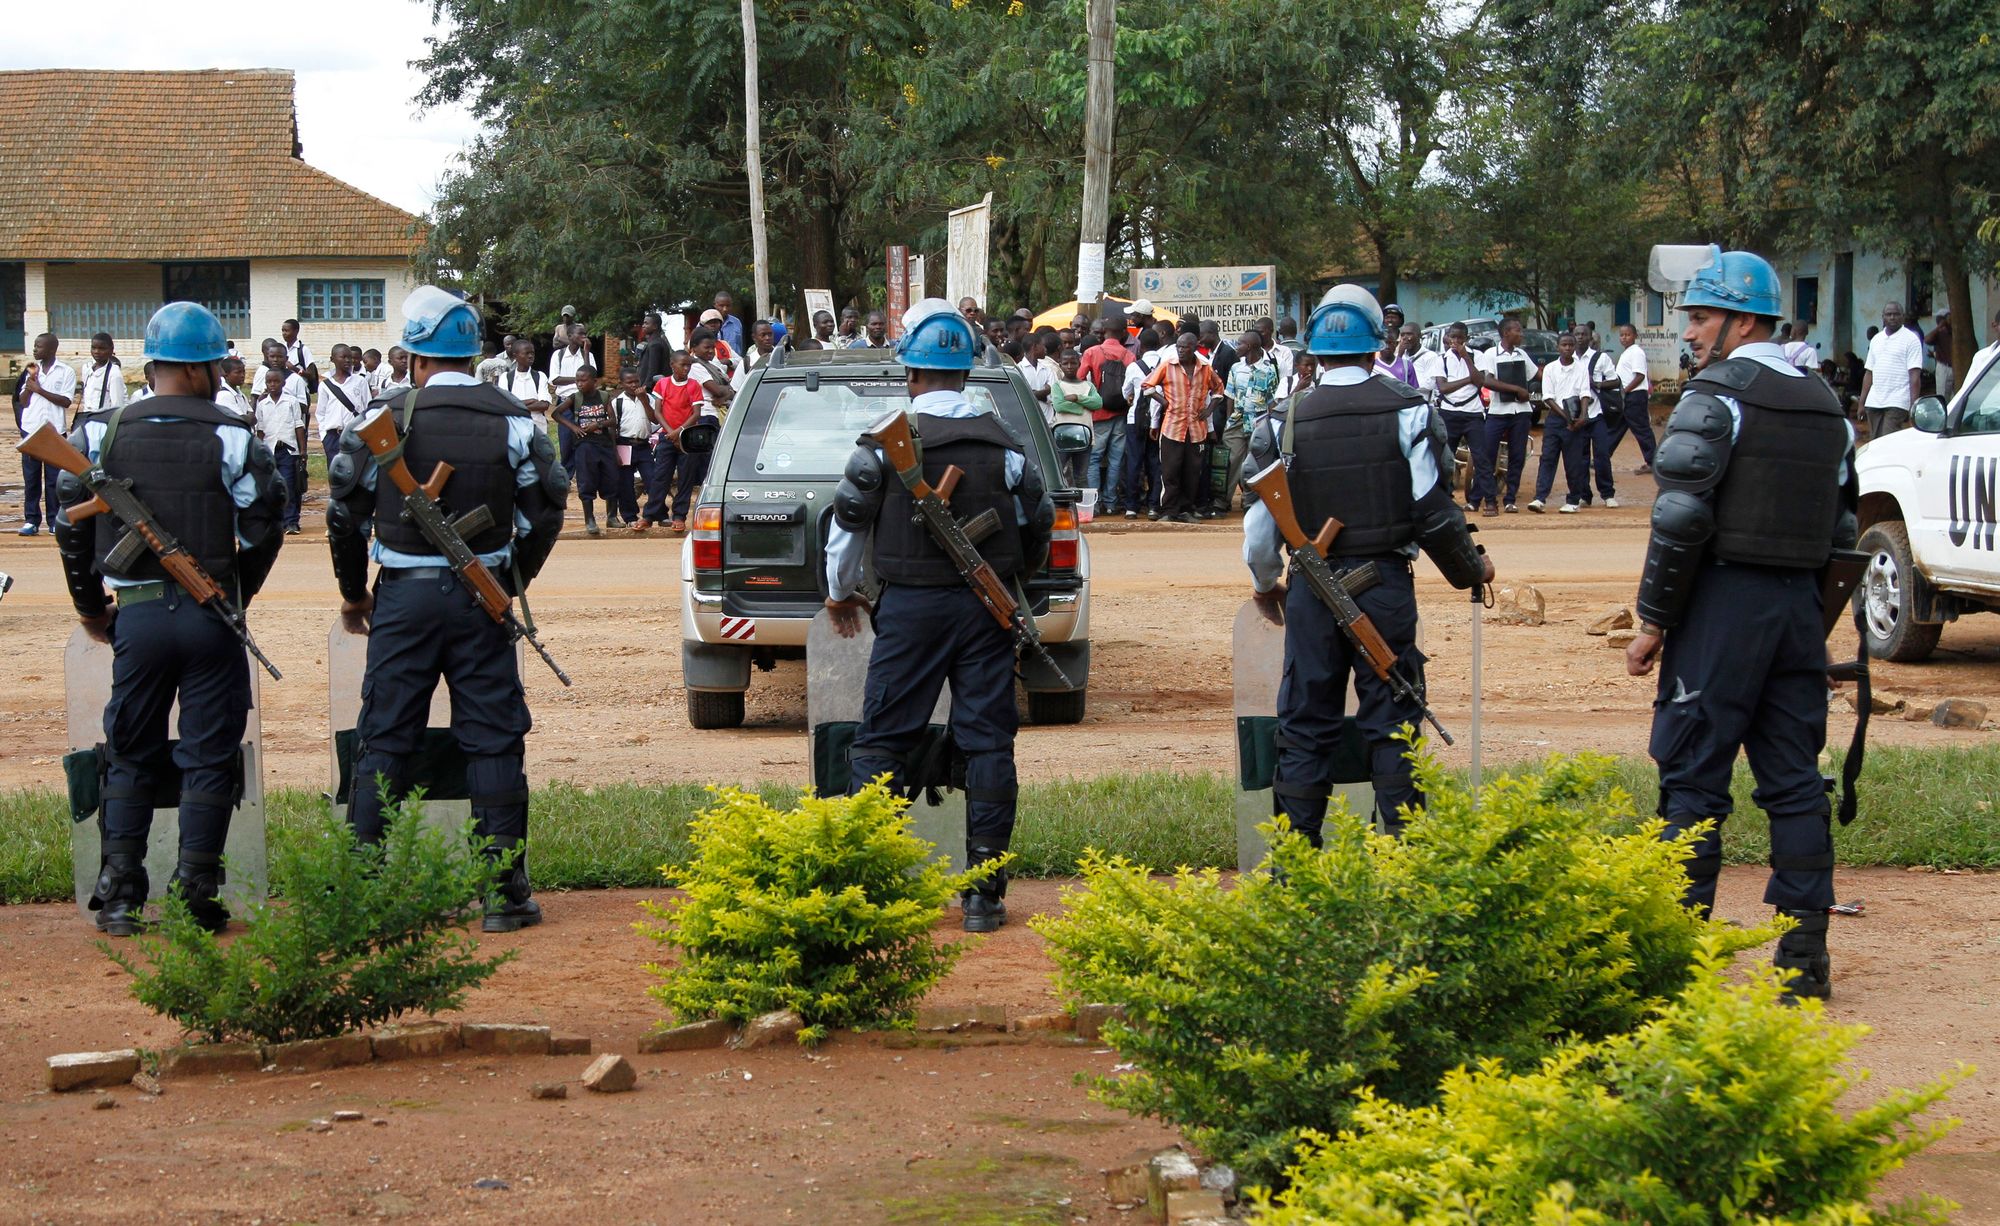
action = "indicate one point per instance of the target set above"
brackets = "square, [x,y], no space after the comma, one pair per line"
[1181,426]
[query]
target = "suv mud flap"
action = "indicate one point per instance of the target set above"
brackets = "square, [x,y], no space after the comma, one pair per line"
[1072,658]
[714,666]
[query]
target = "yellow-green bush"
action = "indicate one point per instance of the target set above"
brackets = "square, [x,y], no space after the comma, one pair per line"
[1720,1109]
[1257,1009]
[825,908]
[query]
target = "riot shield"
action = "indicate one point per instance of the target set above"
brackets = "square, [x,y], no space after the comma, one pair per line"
[1259,664]
[87,682]
[836,673]
[438,766]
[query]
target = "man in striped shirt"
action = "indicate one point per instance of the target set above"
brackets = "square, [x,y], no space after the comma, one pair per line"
[1181,426]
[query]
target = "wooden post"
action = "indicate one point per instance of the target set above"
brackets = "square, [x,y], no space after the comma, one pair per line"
[1099,127]
[753,153]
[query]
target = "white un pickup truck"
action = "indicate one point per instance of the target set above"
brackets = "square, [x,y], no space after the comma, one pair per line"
[1929,497]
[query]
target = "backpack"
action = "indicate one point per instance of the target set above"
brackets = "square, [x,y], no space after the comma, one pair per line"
[1111,385]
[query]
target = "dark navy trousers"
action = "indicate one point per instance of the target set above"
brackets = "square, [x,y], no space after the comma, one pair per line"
[163,649]
[1746,669]
[1312,697]
[924,637]
[426,630]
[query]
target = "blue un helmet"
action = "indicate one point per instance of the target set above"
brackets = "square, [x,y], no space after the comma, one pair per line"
[936,337]
[1347,322]
[1740,281]
[439,324]
[185,332]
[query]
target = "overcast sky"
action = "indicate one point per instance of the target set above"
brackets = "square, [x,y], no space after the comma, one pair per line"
[351,61]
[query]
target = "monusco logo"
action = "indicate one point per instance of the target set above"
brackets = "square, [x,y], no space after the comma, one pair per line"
[1972,487]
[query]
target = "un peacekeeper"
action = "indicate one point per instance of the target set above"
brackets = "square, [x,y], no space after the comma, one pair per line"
[930,627]
[1367,450]
[425,623]
[1757,487]
[214,487]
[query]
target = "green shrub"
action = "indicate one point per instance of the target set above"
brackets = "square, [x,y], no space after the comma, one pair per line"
[1257,1010]
[363,934]
[1721,1108]
[826,909]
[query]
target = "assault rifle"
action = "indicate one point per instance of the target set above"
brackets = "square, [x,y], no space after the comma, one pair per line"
[1274,486]
[959,539]
[114,494]
[421,507]
[1837,581]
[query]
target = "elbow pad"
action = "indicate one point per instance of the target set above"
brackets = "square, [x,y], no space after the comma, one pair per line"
[857,500]
[1695,451]
[545,503]
[73,546]
[350,559]
[1264,443]
[1444,535]
[1682,526]
[261,525]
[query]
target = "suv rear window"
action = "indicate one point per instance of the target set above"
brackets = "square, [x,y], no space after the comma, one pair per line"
[797,434]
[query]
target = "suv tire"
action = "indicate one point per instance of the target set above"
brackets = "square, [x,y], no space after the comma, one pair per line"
[1886,597]
[715,708]
[1056,706]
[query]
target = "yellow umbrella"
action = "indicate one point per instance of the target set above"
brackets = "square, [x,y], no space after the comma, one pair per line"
[1058,316]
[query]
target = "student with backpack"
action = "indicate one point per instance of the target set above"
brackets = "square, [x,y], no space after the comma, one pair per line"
[1103,365]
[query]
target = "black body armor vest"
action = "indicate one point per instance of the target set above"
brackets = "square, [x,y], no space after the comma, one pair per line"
[465,426]
[176,469]
[1781,492]
[1348,463]
[904,549]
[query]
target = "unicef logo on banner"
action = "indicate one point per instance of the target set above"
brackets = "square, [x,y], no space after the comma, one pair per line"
[1150,282]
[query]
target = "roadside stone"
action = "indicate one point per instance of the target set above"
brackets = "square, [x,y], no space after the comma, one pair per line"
[695,1036]
[210,1059]
[146,1083]
[1918,712]
[1053,1022]
[416,1040]
[321,1124]
[504,1039]
[87,1070]
[1090,1019]
[348,1117]
[1220,1178]
[1619,618]
[1184,1208]
[1170,1171]
[1519,605]
[569,1045]
[549,1090]
[314,1055]
[1620,638]
[610,1073]
[962,1017]
[1126,1185]
[1959,713]
[769,1028]
[101,1100]
[1880,702]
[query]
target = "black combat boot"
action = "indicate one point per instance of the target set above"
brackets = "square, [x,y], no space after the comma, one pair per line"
[198,882]
[985,904]
[1803,952]
[510,904]
[120,896]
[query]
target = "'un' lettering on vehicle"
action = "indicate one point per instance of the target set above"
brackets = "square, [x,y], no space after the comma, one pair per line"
[1972,497]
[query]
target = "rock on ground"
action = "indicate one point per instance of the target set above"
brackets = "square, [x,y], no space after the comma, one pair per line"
[1959,713]
[769,1028]
[1619,618]
[84,1070]
[610,1073]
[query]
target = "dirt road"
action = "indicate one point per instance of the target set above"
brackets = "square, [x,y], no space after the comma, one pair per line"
[1160,676]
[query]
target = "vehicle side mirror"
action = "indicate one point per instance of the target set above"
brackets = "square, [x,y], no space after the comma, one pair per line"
[1072,438]
[1928,415]
[698,436]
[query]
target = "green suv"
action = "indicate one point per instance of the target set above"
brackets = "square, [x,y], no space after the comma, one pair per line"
[753,569]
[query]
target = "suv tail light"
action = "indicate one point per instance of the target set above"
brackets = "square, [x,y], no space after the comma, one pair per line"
[1062,541]
[706,534]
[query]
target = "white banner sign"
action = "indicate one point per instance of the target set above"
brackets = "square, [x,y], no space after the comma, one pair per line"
[818,300]
[1233,297]
[965,252]
[918,286]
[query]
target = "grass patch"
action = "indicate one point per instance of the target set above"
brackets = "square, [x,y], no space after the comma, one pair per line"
[1918,806]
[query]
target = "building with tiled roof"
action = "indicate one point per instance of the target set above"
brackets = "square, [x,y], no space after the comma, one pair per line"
[123,190]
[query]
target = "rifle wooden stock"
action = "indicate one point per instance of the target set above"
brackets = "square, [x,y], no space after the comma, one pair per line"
[901,448]
[948,484]
[1275,488]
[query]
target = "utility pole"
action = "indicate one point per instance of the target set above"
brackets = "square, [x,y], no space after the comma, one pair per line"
[1099,122]
[753,153]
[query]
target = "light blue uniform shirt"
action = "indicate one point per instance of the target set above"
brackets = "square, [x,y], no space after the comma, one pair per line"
[1771,354]
[520,437]
[847,551]
[1263,550]
[236,478]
